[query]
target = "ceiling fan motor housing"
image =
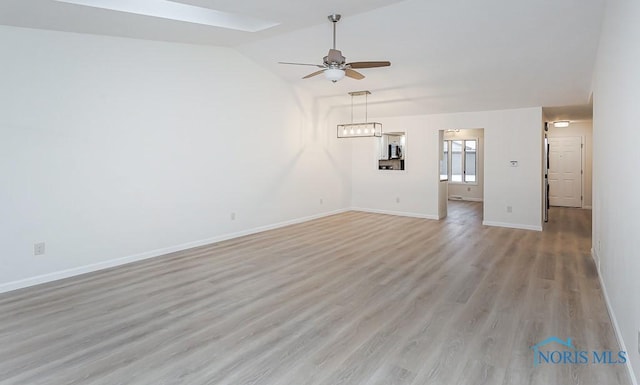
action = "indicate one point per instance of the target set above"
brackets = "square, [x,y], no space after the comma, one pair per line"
[334,59]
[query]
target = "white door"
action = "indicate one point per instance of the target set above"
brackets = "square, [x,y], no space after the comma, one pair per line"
[565,171]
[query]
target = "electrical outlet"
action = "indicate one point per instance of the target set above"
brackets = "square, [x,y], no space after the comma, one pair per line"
[38,248]
[321,201]
[509,209]
[233,216]
[468,188]
[397,199]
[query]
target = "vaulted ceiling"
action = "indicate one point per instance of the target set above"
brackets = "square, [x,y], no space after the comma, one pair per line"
[446,55]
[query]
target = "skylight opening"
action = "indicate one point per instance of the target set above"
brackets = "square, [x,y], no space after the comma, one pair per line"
[171,10]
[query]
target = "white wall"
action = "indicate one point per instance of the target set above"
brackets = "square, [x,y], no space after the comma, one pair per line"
[509,135]
[583,129]
[616,138]
[117,149]
[469,191]
[443,186]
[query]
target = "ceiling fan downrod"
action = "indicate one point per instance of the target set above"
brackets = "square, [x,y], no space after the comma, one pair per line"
[334,18]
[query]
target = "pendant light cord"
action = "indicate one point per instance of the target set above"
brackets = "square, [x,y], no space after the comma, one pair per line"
[366,105]
[351,108]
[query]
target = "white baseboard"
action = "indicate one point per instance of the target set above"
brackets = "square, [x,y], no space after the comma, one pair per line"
[32,281]
[461,198]
[596,259]
[398,213]
[614,320]
[512,225]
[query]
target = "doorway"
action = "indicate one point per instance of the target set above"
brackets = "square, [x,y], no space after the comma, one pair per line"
[462,172]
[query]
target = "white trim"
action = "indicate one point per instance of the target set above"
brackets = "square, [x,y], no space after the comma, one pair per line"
[583,166]
[596,259]
[32,281]
[461,198]
[397,213]
[512,225]
[614,320]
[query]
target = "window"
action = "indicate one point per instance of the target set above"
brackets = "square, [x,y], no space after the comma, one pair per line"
[456,161]
[459,162]
[444,161]
[470,160]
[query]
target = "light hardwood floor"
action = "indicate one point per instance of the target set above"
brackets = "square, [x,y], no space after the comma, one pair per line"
[355,298]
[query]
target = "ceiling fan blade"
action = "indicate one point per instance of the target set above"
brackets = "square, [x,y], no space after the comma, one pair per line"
[313,74]
[302,64]
[368,64]
[353,74]
[335,56]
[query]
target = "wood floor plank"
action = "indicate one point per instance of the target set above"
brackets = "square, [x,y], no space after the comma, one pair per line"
[353,298]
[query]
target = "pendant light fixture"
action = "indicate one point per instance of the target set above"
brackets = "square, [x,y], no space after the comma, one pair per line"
[363,129]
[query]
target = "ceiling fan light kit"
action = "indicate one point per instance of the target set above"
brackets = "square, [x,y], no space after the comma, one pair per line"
[334,74]
[335,66]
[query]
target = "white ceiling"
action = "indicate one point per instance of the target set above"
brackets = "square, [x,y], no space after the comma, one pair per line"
[446,55]
[291,14]
[575,113]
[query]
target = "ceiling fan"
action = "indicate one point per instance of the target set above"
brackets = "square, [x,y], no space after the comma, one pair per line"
[335,66]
